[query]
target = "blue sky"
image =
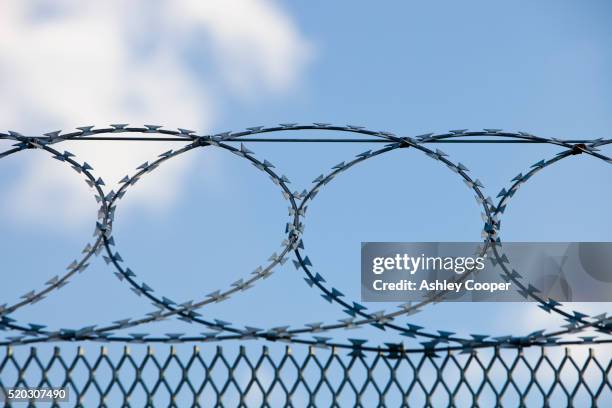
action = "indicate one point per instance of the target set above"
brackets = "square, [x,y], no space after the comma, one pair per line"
[407,68]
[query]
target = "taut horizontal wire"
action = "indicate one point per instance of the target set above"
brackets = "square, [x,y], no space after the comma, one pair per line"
[310,140]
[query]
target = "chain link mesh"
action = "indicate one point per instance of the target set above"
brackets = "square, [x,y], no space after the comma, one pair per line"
[216,376]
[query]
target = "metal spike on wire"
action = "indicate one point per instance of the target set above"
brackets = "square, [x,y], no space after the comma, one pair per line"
[435,340]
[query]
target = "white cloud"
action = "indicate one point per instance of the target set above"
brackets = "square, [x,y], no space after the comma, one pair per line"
[71,63]
[257,45]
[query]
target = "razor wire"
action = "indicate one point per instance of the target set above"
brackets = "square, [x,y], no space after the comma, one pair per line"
[358,316]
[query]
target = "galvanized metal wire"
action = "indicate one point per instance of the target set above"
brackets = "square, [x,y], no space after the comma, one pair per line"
[435,341]
[217,377]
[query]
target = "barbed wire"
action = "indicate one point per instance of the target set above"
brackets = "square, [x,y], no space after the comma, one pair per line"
[435,341]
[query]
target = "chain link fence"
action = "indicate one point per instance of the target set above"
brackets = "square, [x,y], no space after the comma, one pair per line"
[215,376]
[506,371]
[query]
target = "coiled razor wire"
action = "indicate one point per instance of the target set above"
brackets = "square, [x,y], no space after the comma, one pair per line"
[358,316]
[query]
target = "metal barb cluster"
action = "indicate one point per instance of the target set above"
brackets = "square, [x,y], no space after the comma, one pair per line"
[433,341]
